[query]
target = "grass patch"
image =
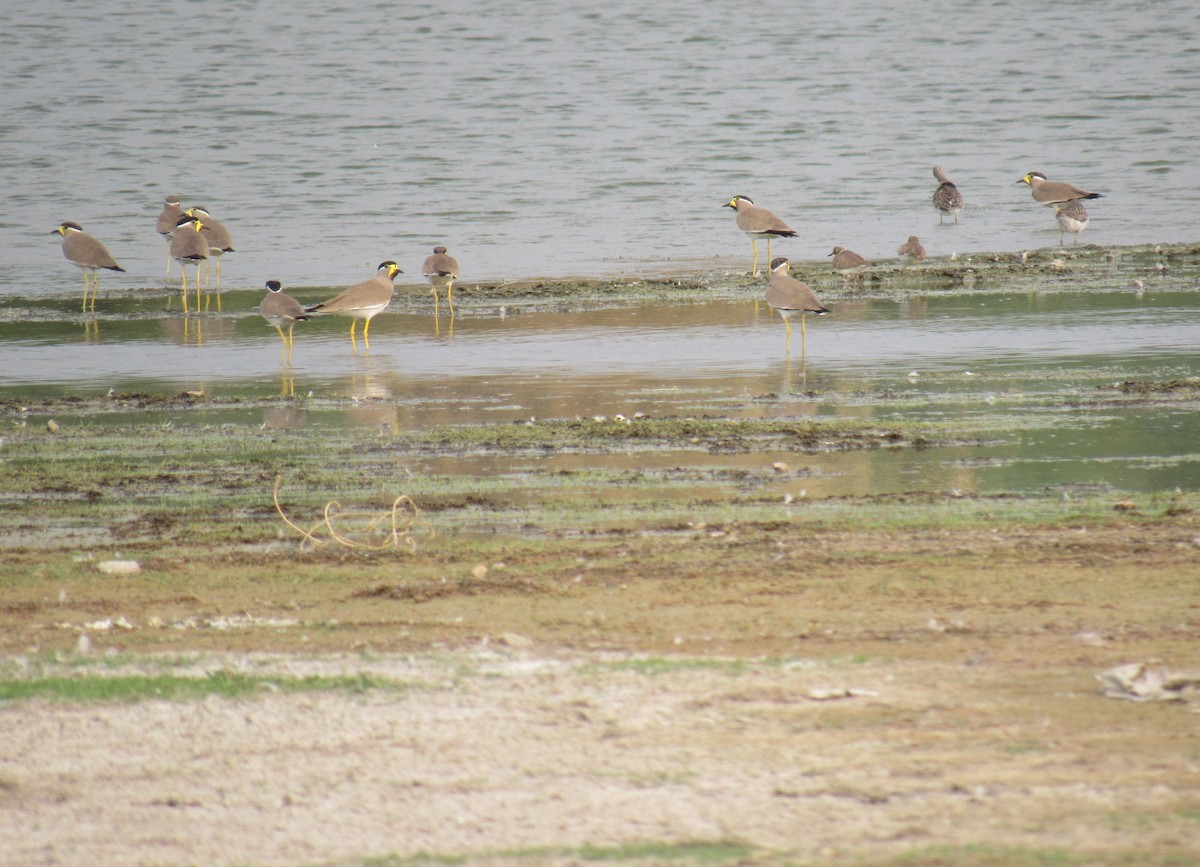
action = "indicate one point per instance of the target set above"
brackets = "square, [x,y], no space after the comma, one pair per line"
[146,687]
[694,852]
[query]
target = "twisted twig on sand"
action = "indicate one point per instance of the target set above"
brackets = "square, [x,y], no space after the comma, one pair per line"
[403,517]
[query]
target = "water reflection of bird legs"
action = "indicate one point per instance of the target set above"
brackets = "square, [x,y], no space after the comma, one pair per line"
[287,380]
[788,386]
[197,326]
[437,325]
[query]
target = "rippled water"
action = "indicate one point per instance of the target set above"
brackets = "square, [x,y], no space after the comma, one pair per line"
[539,140]
[545,139]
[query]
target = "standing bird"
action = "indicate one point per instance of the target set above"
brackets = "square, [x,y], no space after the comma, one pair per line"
[912,252]
[788,296]
[189,247]
[1051,193]
[758,223]
[946,198]
[87,254]
[363,300]
[441,270]
[167,219]
[280,309]
[848,263]
[219,240]
[1071,218]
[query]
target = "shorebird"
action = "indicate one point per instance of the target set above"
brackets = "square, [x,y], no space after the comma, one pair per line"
[758,223]
[167,219]
[219,240]
[912,252]
[1071,218]
[788,296]
[363,300]
[946,198]
[848,263]
[87,254]
[1051,193]
[441,270]
[280,309]
[189,246]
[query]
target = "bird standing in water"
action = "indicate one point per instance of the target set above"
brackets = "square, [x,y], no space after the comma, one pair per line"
[363,300]
[280,309]
[788,297]
[87,254]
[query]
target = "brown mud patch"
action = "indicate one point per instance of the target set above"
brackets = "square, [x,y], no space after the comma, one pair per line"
[764,694]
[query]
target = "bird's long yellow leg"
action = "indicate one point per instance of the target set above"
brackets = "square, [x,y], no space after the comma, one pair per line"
[353,324]
[450,297]
[754,267]
[198,284]
[96,288]
[769,259]
[168,258]
[85,289]
[435,302]
[366,328]
[183,274]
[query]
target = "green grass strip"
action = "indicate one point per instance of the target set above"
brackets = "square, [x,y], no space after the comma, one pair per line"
[134,688]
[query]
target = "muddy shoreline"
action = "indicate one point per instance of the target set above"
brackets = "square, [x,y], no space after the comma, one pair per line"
[549,641]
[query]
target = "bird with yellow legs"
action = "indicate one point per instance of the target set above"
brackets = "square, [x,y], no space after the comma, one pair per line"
[280,309]
[87,254]
[363,300]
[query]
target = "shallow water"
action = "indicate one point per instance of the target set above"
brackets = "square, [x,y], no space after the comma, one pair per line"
[863,343]
[1030,380]
[538,139]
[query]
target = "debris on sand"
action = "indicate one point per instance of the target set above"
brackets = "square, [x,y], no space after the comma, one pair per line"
[1138,681]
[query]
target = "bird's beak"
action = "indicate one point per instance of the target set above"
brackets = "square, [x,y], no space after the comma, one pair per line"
[1023,180]
[728,205]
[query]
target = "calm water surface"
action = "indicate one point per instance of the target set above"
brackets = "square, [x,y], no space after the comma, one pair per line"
[546,139]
